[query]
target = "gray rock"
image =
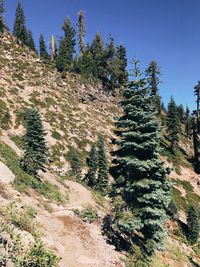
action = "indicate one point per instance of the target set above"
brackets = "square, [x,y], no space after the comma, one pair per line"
[6,175]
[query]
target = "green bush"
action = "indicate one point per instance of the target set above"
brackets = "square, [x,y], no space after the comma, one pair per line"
[56,135]
[24,180]
[87,215]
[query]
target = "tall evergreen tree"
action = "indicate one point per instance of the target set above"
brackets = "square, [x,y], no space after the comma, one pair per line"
[92,167]
[43,48]
[35,156]
[81,31]
[76,164]
[19,30]
[153,71]
[1,16]
[64,60]
[181,113]
[188,122]
[123,74]
[140,175]
[173,123]
[113,65]
[102,179]
[99,58]
[85,64]
[196,129]
[193,224]
[30,41]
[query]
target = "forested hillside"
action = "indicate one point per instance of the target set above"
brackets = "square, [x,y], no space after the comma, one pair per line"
[94,169]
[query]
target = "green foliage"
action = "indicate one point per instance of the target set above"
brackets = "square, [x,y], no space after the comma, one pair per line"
[56,135]
[64,60]
[193,224]
[172,209]
[122,60]
[102,177]
[24,180]
[140,176]
[42,48]
[82,31]
[152,72]
[35,157]
[173,123]
[19,29]
[87,215]
[91,176]
[30,41]
[39,256]
[1,16]
[76,163]
[34,256]
[23,218]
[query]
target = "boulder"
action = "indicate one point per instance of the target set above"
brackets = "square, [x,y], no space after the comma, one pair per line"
[6,175]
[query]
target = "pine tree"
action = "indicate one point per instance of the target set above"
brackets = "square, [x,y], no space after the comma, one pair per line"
[188,123]
[76,164]
[35,156]
[193,224]
[153,71]
[82,31]
[181,113]
[102,179]
[85,64]
[43,48]
[64,60]
[139,174]
[30,41]
[122,58]
[99,58]
[1,16]
[93,165]
[173,123]
[113,65]
[19,30]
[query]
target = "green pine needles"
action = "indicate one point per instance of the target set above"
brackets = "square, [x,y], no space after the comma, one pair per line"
[140,176]
[35,156]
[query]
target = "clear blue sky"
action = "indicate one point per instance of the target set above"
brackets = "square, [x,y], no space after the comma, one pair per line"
[167,31]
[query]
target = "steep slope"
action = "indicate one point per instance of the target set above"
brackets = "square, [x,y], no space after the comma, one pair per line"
[74,113]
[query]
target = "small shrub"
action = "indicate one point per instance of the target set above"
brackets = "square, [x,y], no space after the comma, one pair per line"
[87,215]
[56,135]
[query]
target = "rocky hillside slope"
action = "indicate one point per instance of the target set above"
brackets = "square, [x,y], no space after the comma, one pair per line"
[65,214]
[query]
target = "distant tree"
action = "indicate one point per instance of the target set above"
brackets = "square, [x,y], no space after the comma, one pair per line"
[64,60]
[19,30]
[76,164]
[43,48]
[91,176]
[113,65]
[153,72]
[102,178]
[173,123]
[193,224]
[99,58]
[81,31]
[181,113]
[85,63]
[30,41]
[188,123]
[35,156]
[121,56]
[1,16]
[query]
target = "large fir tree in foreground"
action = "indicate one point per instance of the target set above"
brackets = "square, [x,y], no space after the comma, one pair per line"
[35,156]
[140,176]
